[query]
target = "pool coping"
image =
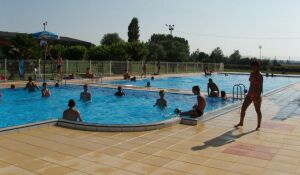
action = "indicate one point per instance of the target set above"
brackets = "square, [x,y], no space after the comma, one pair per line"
[116,128]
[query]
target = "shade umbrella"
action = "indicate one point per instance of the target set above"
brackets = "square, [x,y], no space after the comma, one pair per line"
[45,35]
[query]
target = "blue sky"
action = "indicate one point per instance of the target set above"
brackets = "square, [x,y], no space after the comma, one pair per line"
[230,24]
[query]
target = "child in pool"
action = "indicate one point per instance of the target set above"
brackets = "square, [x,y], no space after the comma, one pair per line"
[85,95]
[120,92]
[223,95]
[161,102]
[45,91]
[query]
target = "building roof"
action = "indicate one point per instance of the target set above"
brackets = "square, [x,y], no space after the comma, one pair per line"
[62,40]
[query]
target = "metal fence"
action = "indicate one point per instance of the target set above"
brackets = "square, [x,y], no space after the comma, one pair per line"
[19,70]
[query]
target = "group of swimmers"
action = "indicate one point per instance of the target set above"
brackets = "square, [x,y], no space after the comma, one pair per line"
[253,95]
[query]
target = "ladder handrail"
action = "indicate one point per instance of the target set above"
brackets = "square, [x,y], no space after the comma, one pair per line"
[240,90]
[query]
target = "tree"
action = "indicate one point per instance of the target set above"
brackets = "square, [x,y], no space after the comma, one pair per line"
[217,55]
[199,56]
[118,51]
[235,57]
[176,48]
[137,51]
[75,52]
[99,53]
[110,39]
[156,52]
[133,30]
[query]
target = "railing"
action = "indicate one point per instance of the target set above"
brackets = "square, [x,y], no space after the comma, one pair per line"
[38,69]
[240,91]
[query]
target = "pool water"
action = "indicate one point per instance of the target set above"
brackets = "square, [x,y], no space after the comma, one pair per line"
[225,83]
[20,107]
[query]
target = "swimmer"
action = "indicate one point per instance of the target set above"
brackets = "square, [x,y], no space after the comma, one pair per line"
[85,95]
[45,91]
[223,95]
[56,85]
[72,114]
[214,90]
[254,95]
[198,109]
[31,86]
[133,79]
[152,78]
[12,86]
[161,102]
[148,84]
[120,92]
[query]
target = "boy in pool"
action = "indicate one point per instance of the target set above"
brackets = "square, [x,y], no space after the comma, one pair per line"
[223,95]
[72,114]
[12,86]
[148,84]
[31,86]
[198,109]
[214,90]
[85,95]
[254,95]
[120,92]
[45,91]
[161,102]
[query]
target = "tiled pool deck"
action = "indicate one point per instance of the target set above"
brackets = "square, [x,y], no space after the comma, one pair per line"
[212,148]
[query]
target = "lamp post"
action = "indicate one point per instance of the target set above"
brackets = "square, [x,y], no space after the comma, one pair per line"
[44,24]
[45,53]
[260,47]
[171,28]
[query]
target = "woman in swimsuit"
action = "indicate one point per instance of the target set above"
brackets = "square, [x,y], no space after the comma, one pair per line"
[254,95]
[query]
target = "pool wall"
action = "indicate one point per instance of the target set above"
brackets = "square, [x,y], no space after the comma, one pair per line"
[116,128]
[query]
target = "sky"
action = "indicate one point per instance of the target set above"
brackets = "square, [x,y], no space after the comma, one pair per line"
[241,25]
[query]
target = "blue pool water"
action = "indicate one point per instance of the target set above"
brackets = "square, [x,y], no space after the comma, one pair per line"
[225,83]
[20,107]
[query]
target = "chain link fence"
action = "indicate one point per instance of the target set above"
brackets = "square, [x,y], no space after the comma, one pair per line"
[46,69]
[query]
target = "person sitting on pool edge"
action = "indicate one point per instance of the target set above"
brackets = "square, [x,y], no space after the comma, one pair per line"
[198,109]
[120,92]
[214,90]
[45,91]
[223,95]
[31,86]
[161,102]
[148,84]
[85,95]
[72,114]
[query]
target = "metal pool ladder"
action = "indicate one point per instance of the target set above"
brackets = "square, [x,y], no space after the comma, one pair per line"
[238,91]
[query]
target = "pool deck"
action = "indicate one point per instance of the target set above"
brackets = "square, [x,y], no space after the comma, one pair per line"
[210,148]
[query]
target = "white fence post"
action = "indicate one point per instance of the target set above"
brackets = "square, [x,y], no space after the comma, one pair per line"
[167,67]
[5,69]
[186,67]
[90,64]
[39,69]
[67,67]
[110,68]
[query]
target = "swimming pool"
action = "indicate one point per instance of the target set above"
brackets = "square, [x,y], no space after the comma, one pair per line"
[225,83]
[19,107]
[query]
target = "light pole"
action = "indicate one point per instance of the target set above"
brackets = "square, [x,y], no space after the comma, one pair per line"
[260,47]
[171,28]
[44,24]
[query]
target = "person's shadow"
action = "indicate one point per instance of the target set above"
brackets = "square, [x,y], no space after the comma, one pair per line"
[226,138]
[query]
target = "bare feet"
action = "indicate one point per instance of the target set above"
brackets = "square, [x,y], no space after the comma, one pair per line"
[238,125]
[257,129]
